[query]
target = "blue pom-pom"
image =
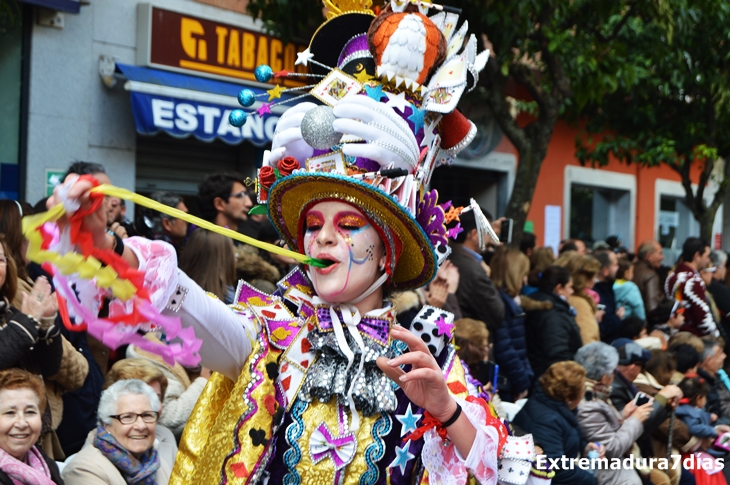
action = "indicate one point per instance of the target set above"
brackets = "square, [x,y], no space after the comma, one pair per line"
[263,73]
[246,97]
[238,118]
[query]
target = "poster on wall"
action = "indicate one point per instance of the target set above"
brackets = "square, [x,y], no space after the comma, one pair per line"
[552,226]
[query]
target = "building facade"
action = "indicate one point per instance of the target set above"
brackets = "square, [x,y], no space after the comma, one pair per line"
[145,88]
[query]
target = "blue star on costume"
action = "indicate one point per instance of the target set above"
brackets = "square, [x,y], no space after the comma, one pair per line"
[374,92]
[408,420]
[417,118]
[402,457]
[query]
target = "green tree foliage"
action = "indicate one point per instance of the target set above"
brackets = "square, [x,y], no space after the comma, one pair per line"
[564,53]
[677,112]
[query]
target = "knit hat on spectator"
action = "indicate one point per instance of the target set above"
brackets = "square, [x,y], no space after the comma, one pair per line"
[629,352]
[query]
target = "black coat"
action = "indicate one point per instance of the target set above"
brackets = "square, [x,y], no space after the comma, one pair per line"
[477,295]
[552,334]
[79,406]
[555,428]
[52,467]
[610,323]
[510,350]
[23,344]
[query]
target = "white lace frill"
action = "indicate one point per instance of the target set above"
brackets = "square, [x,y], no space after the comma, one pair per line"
[158,261]
[444,463]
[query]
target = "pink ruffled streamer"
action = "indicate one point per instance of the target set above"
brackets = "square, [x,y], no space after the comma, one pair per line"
[186,352]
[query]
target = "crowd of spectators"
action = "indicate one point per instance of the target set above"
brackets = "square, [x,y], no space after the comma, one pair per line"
[594,351]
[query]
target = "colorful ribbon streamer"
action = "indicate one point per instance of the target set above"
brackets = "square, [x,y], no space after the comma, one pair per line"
[125,194]
[110,272]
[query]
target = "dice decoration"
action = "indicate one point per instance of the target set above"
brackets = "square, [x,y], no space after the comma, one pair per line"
[435,327]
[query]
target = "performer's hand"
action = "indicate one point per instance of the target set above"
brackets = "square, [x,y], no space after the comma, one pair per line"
[94,223]
[288,139]
[388,137]
[426,387]
[424,384]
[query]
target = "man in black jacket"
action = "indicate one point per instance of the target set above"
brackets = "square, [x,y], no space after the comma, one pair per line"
[610,324]
[477,295]
[631,360]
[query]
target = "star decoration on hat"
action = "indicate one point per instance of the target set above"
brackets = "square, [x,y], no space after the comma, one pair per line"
[304,57]
[402,457]
[398,101]
[429,133]
[363,76]
[454,231]
[374,92]
[444,327]
[452,214]
[264,109]
[417,118]
[275,92]
[408,421]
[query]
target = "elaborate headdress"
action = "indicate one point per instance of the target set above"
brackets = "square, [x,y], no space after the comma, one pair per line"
[389,85]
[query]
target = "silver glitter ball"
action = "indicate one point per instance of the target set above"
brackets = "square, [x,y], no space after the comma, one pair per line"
[317,128]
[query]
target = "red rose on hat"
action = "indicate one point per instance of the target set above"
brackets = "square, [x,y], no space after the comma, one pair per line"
[287,165]
[267,177]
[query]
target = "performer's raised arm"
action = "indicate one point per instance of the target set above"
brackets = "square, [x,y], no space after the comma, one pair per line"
[226,336]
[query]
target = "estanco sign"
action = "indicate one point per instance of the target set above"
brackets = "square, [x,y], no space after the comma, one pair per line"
[180,42]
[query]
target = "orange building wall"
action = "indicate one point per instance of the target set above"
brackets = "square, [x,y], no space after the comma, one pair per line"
[551,183]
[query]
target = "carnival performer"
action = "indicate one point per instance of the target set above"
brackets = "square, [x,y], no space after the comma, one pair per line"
[317,383]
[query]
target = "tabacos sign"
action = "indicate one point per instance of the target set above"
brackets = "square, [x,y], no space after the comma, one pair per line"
[184,43]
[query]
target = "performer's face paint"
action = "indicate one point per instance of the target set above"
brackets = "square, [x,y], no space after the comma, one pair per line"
[339,232]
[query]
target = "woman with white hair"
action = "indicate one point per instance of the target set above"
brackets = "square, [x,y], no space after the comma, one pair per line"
[121,451]
[600,421]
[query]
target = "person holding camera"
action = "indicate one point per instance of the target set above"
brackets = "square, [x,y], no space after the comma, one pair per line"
[599,419]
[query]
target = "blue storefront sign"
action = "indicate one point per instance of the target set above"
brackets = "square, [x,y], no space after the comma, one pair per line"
[206,121]
[182,105]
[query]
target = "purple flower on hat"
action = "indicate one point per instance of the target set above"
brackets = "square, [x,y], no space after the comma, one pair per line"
[431,218]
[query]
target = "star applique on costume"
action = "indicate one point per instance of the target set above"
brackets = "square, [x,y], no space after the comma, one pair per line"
[417,118]
[408,421]
[429,134]
[275,92]
[375,92]
[402,457]
[398,101]
[444,327]
[454,231]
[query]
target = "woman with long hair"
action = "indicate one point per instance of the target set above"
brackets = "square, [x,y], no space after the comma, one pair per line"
[509,272]
[210,261]
[583,268]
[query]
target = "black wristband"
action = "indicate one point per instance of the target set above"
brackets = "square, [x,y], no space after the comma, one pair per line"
[118,244]
[453,418]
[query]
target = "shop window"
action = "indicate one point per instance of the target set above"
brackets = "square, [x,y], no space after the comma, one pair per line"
[11,59]
[676,223]
[596,213]
[458,184]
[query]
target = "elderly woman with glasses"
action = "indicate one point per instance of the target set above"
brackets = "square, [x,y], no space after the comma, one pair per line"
[122,449]
[22,400]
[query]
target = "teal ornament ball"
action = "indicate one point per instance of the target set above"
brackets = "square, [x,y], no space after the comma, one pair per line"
[263,73]
[238,118]
[246,97]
